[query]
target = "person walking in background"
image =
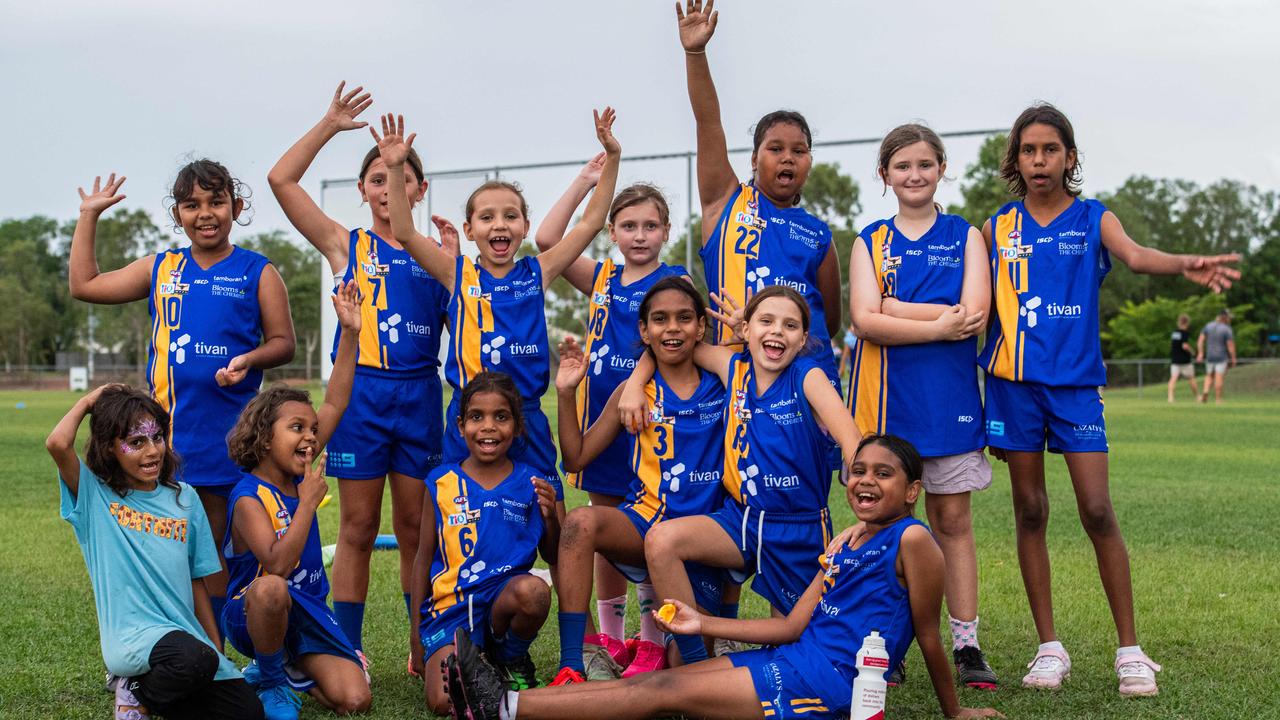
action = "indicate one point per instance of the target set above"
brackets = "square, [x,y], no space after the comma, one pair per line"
[1217,349]
[1180,364]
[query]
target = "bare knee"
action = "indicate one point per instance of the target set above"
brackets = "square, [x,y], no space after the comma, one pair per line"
[952,523]
[359,531]
[662,544]
[353,700]
[1099,519]
[1031,512]
[579,526]
[532,596]
[268,594]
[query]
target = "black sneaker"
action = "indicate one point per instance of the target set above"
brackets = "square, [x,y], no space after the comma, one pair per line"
[972,669]
[482,688]
[898,675]
[518,674]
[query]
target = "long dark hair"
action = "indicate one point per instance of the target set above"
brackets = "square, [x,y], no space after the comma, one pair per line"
[118,409]
[1044,114]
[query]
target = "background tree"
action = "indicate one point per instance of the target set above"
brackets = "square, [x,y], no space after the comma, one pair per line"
[1141,330]
[982,188]
[33,293]
[123,236]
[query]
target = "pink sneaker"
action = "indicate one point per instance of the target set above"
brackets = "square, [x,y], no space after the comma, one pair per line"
[618,650]
[649,657]
[1048,670]
[1137,674]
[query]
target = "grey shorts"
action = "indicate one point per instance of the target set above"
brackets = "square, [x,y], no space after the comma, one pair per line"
[1187,371]
[954,474]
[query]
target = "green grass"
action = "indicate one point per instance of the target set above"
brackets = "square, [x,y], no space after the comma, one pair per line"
[1197,490]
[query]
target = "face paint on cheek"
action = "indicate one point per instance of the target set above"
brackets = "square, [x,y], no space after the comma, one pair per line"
[127,449]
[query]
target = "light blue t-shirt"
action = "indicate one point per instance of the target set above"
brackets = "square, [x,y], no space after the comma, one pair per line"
[142,552]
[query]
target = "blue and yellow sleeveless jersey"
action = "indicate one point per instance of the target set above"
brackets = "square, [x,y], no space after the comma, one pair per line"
[308,576]
[756,244]
[1046,281]
[928,392]
[200,319]
[481,535]
[775,454]
[612,345]
[679,456]
[498,324]
[402,309]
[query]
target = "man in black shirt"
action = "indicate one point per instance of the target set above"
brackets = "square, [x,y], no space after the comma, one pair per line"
[1180,357]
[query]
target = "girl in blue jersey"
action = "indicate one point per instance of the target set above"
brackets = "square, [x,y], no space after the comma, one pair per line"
[639,224]
[887,577]
[675,467]
[147,547]
[756,234]
[219,317]
[393,427]
[919,293]
[496,311]
[1049,252]
[484,521]
[779,421]
[277,613]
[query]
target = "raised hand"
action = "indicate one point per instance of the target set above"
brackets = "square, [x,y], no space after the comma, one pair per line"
[345,107]
[730,314]
[448,236]
[393,146]
[686,622]
[590,173]
[234,372]
[1212,271]
[573,365]
[102,196]
[313,487]
[546,499]
[633,407]
[697,24]
[346,303]
[604,130]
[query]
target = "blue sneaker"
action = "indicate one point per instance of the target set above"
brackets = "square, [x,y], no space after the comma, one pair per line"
[279,703]
[252,674]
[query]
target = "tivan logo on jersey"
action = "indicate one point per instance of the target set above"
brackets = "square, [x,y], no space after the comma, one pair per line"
[597,358]
[704,476]
[781,481]
[671,477]
[497,345]
[390,328]
[1052,310]
[414,328]
[178,349]
[758,276]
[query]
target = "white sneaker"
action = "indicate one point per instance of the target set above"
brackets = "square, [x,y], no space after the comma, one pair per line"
[127,705]
[1048,670]
[1137,674]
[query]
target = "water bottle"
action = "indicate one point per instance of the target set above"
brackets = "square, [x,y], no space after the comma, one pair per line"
[869,686]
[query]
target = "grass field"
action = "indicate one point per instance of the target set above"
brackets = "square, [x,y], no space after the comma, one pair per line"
[1197,490]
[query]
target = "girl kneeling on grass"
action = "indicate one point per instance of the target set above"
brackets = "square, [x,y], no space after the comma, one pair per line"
[484,521]
[277,613]
[888,578]
[147,547]
[675,468]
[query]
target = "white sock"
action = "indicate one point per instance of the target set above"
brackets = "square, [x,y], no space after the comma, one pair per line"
[507,710]
[1053,645]
[648,598]
[612,616]
[1130,650]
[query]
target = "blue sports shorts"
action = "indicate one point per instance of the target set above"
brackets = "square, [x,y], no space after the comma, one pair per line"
[1027,417]
[392,424]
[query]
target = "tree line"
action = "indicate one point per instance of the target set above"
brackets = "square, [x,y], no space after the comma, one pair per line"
[38,318]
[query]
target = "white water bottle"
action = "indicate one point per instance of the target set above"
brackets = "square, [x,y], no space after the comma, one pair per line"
[869,687]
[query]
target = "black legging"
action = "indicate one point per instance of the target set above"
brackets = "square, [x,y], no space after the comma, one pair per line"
[180,683]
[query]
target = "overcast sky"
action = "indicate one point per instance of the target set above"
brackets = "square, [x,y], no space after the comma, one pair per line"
[1170,88]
